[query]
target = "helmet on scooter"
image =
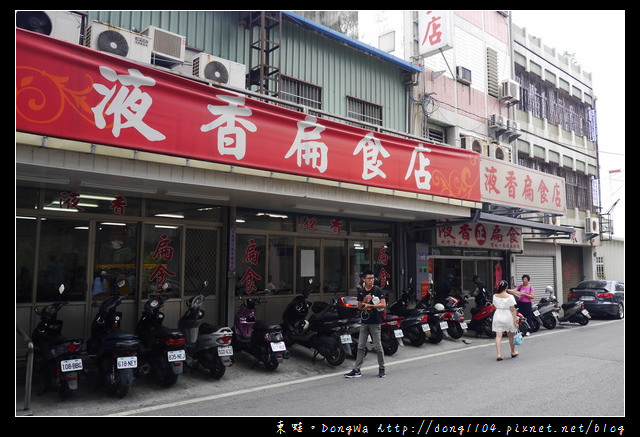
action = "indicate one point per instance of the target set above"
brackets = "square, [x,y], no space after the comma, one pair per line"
[439,307]
[502,285]
[549,289]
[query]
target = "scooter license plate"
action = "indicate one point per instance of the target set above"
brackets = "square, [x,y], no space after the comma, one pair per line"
[71,365]
[463,325]
[127,362]
[426,327]
[398,333]
[444,325]
[278,346]
[536,313]
[345,338]
[555,314]
[225,351]
[178,355]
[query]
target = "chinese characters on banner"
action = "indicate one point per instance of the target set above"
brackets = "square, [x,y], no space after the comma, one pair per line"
[97,98]
[484,235]
[506,184]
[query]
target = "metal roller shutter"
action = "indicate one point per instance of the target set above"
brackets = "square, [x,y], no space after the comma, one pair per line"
[541,269]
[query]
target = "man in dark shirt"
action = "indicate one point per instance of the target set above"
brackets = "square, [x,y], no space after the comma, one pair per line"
[371,300]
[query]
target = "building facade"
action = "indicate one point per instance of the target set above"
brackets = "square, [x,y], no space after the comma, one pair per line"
[111,178]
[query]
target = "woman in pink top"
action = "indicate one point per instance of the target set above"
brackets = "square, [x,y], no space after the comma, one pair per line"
[524,293]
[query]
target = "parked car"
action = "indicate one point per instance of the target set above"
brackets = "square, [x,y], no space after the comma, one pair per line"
[600,297]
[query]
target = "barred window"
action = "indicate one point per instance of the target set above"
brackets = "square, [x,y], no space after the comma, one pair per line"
[303,93]
[364,111]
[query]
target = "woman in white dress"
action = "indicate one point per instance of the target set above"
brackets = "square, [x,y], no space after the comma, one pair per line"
[505,318]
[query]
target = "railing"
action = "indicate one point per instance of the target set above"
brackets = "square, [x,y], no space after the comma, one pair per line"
[29,372]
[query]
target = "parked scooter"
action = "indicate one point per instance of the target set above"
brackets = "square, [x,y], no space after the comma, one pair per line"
[482,314]
[454,316]
[415,325]
[390,330]
[207,345]
[573,312]
[115,351]
[56,358]
[319,332]
[437,326]
[162,350]
[261,340]
[545,312]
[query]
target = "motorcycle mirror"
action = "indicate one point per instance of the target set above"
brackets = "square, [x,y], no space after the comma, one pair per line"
[61,289]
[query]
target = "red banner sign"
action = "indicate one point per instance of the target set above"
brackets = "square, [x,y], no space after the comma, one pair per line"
[70,91]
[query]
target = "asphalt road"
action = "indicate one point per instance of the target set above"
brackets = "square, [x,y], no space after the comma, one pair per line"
[571,371]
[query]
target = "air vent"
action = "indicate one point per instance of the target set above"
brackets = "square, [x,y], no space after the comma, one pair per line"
[168,47]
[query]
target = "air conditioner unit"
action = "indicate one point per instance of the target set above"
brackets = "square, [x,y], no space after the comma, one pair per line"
[500,152]
[510,91]
[513,126]
[498,121]
[592,226]
[65,25]
[220,70]
[168,47]
[476,144]
[118,41]
[463,75]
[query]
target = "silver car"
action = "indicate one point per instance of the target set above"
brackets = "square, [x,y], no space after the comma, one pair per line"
[600,297]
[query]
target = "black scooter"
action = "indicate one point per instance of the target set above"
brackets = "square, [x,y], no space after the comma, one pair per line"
[162,350]
[56,358]
[320,332]
[415,321]
[115,351]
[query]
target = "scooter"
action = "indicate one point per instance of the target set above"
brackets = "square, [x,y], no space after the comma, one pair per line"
[545,312]
[454,316]
[391,333]
[208,346]
[56,358]
[437,325]
[573,312]
[162,350]
[261,340]
[415,323]
[115,351]
[319,332]
[482,314]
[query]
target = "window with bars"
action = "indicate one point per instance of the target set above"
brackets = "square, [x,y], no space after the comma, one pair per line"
[544,100]
[364,111]
[302,93]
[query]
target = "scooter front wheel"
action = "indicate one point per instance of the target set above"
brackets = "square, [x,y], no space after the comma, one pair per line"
[336,357]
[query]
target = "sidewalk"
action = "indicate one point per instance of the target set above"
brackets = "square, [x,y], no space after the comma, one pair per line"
[92,400]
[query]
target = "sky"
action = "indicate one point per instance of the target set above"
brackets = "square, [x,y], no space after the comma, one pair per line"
[597,40]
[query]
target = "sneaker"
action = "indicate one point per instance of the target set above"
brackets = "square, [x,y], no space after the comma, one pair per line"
[381,373]
[527,334]
[353,374]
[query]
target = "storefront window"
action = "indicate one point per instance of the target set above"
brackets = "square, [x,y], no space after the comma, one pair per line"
[25,256]
[280,272]
[162,256]
[359,261]
[201,261]
[308,265]
[62,259]
[250,264]
[115,259]
[334,267]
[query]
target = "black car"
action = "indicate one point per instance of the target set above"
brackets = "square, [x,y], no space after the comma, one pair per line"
[600,297]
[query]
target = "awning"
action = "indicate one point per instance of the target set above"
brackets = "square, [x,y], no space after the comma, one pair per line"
[550,230]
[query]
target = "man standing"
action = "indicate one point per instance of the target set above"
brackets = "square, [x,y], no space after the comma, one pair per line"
[372,302]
